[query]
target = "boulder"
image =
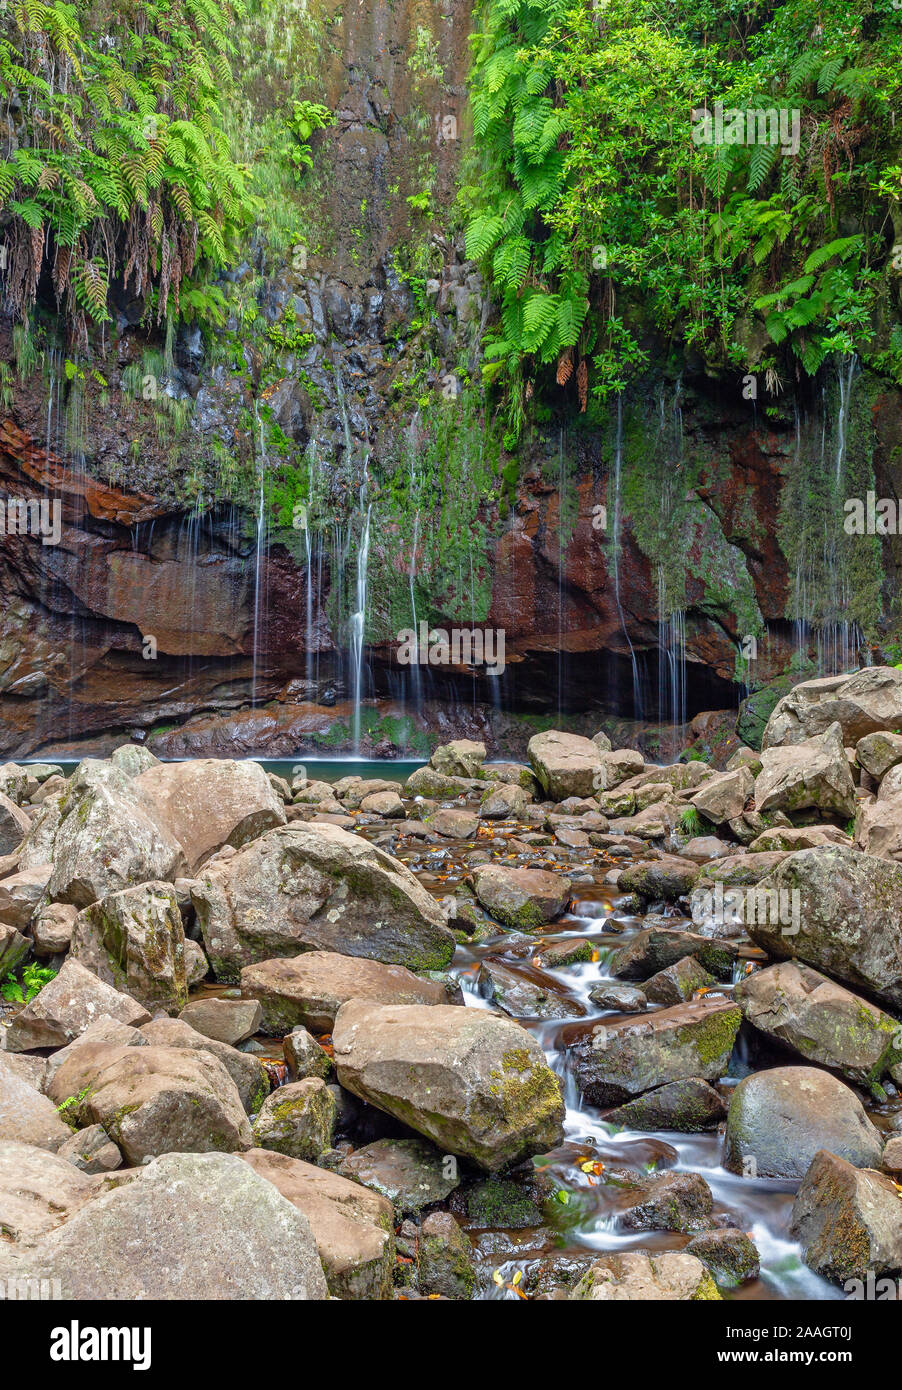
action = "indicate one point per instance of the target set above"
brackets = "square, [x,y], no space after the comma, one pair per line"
[26,1116]
[227,1020]
[352,1226]
[475,1083]
[566,764]
[677,983]
[850,918]
[892,1157]
[657,948]
[846,1220]
[107,839]
[778,1119]
[617,1060]
[425,781]
[504,801]
[822,1022]
[730,1255]
[620,765]
[864,703]
[304,1056]
[52,927]
[627,999]
[205,803]
[811,773]
[521,898]
[311,988]
[66,1006]
[444,1258]
[878,828]
[21,893]
[690,1107]
[197,967]
[637,1275]
[386,804]
[667,1202]
[103,1030]
[462,757]
[316,887]
[187,1226]
[13,948]
[38,1190]
[522,996]
[298,1119]
[667,877]
[722,797]
[38,845]
[14,825]
[247,1071]
[91,1151]
[789,839]
[453,822]
[877,753]
[153,1100]
[135,941]
[411,1173]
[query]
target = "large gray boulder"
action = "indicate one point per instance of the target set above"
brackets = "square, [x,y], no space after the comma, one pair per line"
[614,1061]
[814,772]
[14,825]
[849,918]
[311,988]
[206,803]
[877,753]
[247,1071]
[475,1083]
[722,797]
[153,1100]
[21,893]
[38,1190]
[778,1119]
[187,1226]
[847,1221]
[26,1116]
[864,703]
[107,839]
[352,1226]
[306,887]
[66,1006]
[823,1022]
[567,764]
[135,941]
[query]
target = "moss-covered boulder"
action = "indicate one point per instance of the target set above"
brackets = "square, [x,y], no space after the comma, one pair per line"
[462,757]
[690,1107]
[667,1202]
[823,1022]
[847,1220]
[298,1119]
[849,916]
[814,773]
[613,1062]
[445,1258]
[476,1084]
[411,1173]
[657,948]
[521,898]
[730,1255]
[567,764]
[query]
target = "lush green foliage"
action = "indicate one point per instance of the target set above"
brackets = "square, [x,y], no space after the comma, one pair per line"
[600,218]
[115,164]
[33,979]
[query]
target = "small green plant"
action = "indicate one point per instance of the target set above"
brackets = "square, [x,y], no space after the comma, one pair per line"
[306,117]
[690,822]
[71,1101]
[22,991]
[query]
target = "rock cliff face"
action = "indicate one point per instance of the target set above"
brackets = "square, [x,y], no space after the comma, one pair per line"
[175,596]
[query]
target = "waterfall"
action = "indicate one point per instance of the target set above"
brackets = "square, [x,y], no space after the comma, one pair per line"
[358,617]
[258,595]
[615,551]
[415,673]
